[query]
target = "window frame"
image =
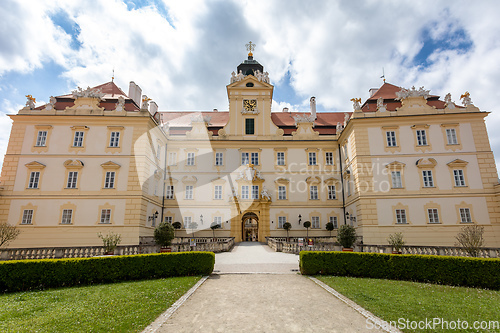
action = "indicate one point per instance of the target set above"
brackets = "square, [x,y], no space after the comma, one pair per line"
[421,137]
[105,216]
[217,192]
[282,192]
[401,216]
[280,161]
[188,195]
[114,139]
[312,158]
[334,221]
[454,136]
[249,126]
[40,138]
[72,181]
[34,180]
[219,158]
[169,192]
[190,159]
[427,178]
[396,179]
[27,216]
[433,216]
[67,214]
[109,179]
[255,192]
[78,139]
[245,192]
[313,192]
[391,140]
[460,181]
[332,192]
[315,222]
[465,212]
[281,221]
[329,158]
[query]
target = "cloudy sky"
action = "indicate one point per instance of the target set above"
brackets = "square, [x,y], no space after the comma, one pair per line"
[181,53]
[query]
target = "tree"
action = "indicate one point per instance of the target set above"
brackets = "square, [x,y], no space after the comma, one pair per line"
[214,226]
[164,233]
[471,239]
[8,233]
[346,236]
[193,226]
[329,226]
[287,226]
[307,225]
[177,225]
[110,241]
[396,241]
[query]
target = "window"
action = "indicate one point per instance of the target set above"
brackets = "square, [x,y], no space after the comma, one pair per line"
[114,140]
[465,215]
[458,175]
[218,192]
[169,192]
[329,158]
[34,179]
[346,152]
[106,216]
[219,159]
[333,220]
[244,192]
[451,136]
[72,179]
[249,126]
[396,179]
[27,216]
[41,138]
[109,181]
[189,192]
[218,220]
[313,192]
[391,138]
[312,158]
[281,221]
[401,216]
[433,215]
[255,192]
[78,139]
[172,158]
[427,176]
[190,159]
[332,195]
[244,159]
[255,158]
[315,222]
[280,158]
[67,216]
[281,192]
[187,222]
[158,151]
[168,219]
[349,188]
[421,138]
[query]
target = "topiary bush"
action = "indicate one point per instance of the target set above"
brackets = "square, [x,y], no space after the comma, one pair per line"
[346,236]
[455,271]
[164,233]
[17,275]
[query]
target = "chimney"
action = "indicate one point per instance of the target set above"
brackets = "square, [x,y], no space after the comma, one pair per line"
[215,110]
[312,103]
[135,92]
[373,91]
[285,109]
[153,108]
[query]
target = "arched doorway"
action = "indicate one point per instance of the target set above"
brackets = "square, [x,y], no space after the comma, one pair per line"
[250,227]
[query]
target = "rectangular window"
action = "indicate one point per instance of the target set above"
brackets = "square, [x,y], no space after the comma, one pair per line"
[451,136]
[187,222]
[219,159]
[280,158]
[72,179]
[218,192]
[346,152]
[421,138]
[158,151]
[433,215]
[401,216]
[255,192]
[172,158]
[458,175]
[41,138]
[428,180]
[313,192]
[465,215]
[249,126]
[315,222]
[329,158]
[34,179]
[396,179]
[114,140]
[349,188]
[391,138]
[106,216]
[27,216]
[333,220]
[169,192]
[78,139]
[281,192]
[244,192]
[245,159]
[255,158]
[190,159]
[332,195]
[109,181]
[218,220]
[189,192]
[312,158]
[281,221]
[67,216]
[168,219]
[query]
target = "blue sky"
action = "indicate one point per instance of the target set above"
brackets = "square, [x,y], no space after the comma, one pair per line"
[182,53]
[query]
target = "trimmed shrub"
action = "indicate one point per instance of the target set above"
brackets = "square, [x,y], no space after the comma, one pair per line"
[455,271]
[17,275]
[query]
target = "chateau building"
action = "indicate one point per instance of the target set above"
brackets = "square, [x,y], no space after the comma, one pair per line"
[99,160]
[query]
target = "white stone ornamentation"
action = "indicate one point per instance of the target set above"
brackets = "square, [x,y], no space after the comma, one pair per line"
[466,101]
[356,104]
[346,118]
[233,77]
[303,119]
[52,103]
[249,173]
[87,93]
[120,106]
[145,102]
[265,194]
[30,103]
[448,102]
[381,107]
[405,93]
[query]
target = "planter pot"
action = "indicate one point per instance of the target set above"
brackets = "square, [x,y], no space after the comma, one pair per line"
[397,252]
[347,249]
[165,249]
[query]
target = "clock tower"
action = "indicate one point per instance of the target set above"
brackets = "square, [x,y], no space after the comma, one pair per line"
[250,96]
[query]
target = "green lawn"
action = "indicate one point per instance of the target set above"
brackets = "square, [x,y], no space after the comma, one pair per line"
[119,307]
[391,300]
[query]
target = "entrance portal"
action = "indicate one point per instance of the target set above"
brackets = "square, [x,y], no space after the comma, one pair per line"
[250,227]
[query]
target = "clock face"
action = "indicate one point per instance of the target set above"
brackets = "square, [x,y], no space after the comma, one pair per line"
[249,104]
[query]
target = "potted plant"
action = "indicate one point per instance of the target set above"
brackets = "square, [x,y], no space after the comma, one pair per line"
[214,226]
[397,242]
[163,236]
[329,226]
[346,236]
[110,242]
[287,226]
[307,225]
[177,225]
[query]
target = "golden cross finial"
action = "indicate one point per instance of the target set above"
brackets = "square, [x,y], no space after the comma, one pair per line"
[250,47]
[113,77]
